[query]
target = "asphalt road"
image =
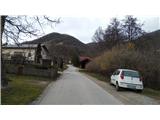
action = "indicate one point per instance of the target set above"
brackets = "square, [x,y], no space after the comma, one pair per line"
[74,88]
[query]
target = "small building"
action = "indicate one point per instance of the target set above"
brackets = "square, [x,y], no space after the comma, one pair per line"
[84,60]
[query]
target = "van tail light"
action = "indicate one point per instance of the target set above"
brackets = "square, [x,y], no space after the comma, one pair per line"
[141,79]
[122,75]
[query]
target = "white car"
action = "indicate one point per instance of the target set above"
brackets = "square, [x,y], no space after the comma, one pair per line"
[125,78]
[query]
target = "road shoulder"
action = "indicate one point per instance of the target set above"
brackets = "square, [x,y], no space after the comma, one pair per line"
[45,91]
[125,96]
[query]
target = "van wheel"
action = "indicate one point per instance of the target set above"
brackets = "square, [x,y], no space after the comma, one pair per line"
[117,87]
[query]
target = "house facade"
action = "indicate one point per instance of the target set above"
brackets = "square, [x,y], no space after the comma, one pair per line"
[26,50]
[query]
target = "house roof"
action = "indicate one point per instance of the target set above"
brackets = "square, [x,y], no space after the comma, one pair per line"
[82,58]
[21,46]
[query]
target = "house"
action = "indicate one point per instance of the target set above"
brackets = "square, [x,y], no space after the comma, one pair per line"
[26,50]
[29,51]
[84,60]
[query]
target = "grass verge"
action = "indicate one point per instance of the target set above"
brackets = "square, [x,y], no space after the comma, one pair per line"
[152,93]
[147,91]
[23,89]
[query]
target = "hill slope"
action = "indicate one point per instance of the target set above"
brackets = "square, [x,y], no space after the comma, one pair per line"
[56,38]
[150,41]
[62,45]
[147,42]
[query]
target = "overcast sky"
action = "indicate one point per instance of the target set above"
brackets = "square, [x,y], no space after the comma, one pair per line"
[87,15]
[84,28]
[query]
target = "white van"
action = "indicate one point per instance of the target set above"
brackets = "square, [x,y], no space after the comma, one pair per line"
[125,78]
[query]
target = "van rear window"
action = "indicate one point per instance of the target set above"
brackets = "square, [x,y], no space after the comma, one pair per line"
[131,73]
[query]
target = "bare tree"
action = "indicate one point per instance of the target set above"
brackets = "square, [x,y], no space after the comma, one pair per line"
[16,27]
[132,29]
[113,33]
[98,36]
[118,31]
[4,81]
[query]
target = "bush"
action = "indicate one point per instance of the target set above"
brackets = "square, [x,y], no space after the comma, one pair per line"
[126,56]
[75,60]
[92,67]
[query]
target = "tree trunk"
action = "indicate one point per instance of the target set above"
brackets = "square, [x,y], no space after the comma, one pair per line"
[2,24]
[4,81]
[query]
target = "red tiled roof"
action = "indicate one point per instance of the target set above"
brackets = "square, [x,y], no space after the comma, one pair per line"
[82,58]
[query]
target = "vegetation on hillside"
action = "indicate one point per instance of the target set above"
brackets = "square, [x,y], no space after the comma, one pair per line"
[124,44]
[126,56]
[149,42]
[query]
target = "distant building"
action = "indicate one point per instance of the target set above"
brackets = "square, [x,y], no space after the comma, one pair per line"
[84,60]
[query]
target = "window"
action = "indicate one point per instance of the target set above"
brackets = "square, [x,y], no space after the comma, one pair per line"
[29,54]
[131,74]
[116,72]
[18,53]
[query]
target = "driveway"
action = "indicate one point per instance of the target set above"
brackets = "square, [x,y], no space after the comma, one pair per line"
[74,88]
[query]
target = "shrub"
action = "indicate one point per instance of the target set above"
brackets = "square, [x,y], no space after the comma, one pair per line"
[126,56]
[93,67]
[75,60]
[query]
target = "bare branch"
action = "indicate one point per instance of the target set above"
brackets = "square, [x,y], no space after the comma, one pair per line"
[19,26]
[53,21]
